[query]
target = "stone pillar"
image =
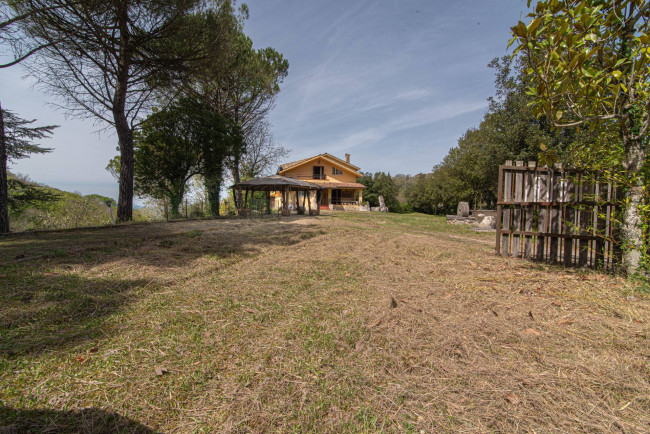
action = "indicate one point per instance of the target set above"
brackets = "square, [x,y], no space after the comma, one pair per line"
[463,209]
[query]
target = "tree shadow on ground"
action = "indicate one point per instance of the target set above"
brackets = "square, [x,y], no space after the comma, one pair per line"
[87,420]
[221,238]
[48,311]
[53,303]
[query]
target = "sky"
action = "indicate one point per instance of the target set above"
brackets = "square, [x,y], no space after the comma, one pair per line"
[393,83]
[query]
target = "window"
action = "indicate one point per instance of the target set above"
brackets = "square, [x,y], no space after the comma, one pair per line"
[336,171]
[319,172]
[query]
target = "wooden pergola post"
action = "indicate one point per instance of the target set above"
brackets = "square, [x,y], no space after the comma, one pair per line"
[319,200]
[252,198]
[309,201]
[285,201]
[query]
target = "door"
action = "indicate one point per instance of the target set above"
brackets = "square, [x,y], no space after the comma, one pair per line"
[319,172]
[336,197]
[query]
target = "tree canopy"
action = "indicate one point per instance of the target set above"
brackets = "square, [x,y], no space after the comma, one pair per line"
[588,64]
[183,140]
[107,59]
[17,138]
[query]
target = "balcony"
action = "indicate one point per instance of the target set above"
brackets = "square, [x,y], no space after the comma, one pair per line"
[314,176]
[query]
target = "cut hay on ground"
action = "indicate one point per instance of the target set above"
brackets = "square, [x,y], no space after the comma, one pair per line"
[341,323]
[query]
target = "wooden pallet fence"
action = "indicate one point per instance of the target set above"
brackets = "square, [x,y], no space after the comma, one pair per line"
[556,215]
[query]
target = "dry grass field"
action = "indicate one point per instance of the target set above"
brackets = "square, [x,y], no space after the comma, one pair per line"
[347,322]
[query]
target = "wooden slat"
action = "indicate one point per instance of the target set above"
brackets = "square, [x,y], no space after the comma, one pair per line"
[555,218]
[569,221]
[517,213]
[499,211]
[555,214]
[599,230]
[529,211]
[542,218]
[507,196]
[584,222]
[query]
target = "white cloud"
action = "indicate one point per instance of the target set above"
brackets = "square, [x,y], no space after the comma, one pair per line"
[425,116]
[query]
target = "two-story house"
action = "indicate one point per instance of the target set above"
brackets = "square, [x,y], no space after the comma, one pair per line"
[337,179]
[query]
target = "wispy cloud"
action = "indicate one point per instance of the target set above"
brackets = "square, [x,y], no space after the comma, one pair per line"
[376,77]
[425,116]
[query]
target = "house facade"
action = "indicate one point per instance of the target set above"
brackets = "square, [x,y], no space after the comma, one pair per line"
[336,178]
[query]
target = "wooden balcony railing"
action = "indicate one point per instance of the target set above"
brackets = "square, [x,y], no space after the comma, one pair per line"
[299,176]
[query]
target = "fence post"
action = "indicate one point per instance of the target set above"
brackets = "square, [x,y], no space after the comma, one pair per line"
[507,197]
[499,210]
[517,212]
[529,198]
[569,219]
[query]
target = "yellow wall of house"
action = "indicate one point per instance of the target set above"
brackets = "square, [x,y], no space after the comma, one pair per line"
[305,172]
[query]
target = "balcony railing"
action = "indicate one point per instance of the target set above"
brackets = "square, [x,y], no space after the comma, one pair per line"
[315,176]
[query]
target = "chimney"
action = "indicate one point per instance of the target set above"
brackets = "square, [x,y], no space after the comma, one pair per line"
[347,158]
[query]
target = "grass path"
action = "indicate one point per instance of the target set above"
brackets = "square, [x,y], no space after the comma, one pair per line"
[345,322]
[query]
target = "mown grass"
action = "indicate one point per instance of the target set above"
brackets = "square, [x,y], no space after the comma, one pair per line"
[287,325]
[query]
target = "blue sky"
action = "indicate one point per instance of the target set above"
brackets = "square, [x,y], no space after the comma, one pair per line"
[393,83]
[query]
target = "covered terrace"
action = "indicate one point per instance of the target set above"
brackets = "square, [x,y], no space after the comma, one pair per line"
[283,185]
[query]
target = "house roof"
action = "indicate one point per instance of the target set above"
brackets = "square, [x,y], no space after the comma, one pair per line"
[278,181]
[275,181]
[343,163]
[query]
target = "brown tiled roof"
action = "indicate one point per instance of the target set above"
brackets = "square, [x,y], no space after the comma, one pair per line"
[298,162]
[339,184]
[276,181]
[293,163]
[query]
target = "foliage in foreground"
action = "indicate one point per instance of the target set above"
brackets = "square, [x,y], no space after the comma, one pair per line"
[45,208]
[17,138]
[588,64]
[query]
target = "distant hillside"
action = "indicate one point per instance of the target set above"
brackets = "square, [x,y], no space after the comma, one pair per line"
[66,210]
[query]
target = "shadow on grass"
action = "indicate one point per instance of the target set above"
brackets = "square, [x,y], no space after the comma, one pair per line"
[190,239]
[48,311]
[44,307]
[87,420]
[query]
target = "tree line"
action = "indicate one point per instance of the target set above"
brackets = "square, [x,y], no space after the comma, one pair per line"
[576,91]
[135,65]
[509,130]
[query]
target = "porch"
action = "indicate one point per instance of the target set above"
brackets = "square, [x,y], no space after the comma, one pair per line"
[340,198]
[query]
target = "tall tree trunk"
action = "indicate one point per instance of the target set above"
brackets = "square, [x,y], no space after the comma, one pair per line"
[4,189]
[213,188]
[176,199]
[124,131]
[174,206]
[236,178]
[632,225]
[125,199]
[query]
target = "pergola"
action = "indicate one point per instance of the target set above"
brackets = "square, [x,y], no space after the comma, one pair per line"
[283,184]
